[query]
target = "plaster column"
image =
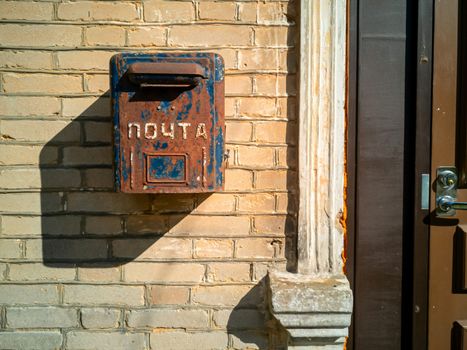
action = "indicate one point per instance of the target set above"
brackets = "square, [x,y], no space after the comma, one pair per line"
[315,303]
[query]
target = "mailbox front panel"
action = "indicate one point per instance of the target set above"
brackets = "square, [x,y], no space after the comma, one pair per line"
[168,111]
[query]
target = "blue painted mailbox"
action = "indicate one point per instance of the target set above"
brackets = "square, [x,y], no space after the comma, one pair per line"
[168,113]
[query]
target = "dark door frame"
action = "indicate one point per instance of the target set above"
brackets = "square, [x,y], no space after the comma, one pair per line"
[418,162]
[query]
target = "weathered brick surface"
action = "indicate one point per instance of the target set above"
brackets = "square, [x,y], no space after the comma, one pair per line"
[83,267]
[169,295]
[239,319]
[164,272]
[109,295]
[89,10]
[167,318]
[28,295]
[41,317]
[19,35]
[42,83]
[31,340]
[189,341]
[41,272]
[26,10]
[79,340]
[100,318]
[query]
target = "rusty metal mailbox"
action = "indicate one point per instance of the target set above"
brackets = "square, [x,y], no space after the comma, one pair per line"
[168,112]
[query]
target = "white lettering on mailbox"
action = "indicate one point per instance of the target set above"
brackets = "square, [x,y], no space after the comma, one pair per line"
[151,130]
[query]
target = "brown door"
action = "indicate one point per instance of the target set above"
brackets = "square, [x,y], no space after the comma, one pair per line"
[447,317]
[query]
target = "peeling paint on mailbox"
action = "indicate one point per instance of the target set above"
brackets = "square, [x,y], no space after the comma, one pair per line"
[168,114]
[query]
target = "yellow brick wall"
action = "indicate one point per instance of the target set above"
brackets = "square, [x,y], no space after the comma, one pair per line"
[82,265]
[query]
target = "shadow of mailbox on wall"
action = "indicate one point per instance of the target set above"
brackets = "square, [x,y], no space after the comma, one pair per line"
[168,114]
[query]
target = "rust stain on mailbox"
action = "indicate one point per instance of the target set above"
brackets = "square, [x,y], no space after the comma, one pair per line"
[168,112]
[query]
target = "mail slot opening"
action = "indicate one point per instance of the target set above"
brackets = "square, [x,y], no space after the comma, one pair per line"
[166,74]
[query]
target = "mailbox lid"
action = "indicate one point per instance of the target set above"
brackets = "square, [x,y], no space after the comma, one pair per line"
[168,112]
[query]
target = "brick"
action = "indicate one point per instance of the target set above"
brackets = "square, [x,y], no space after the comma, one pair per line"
[258,203]
[216,203]
[97,83]
[101,273]
[247,12]
[287,108]
[272,13]
[98,11]
[45,226]
[208,225]
[230,107]
[147,36]
[100,132]
[222,11]
[276,85]
[85,60]
[26,10]
[25,59]
[35,178]
[271,179]
[107,202]
[167,203]
[284,204]
[229,56]
[105,36]
[256,156]
[97,318]
[28,294]
[239,319]
[30,202]
[209,35]
[41,317]
[164,272]
[168,11]
[273,36]
[41,272]
[10,249]
[167,318]
[250,340]
[99,178]
[257,248]
[152,248]
[67,249]
[287,157]
[97,295]
[31,340]
[41,130]
[42,83]
[238,179]
[83,340]
[29,106]
[238,131]
[93,155]
[24,35]
[86,107]
[153,224]
[238,85]
[271,132]
[27,155]
[213,248]
[103,225]
[262,59]
[229,272]
[257,107]
[280,224]
[169,295]
[179,340]
[230,295]
[3,271]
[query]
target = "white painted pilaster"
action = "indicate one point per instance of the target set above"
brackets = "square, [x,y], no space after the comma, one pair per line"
[315,304]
